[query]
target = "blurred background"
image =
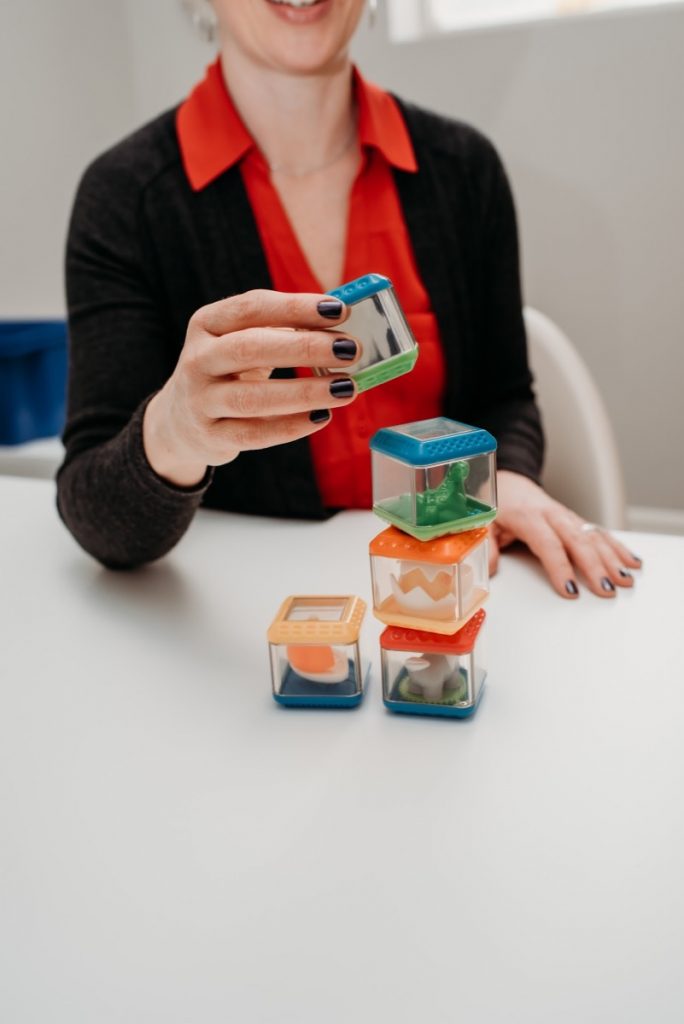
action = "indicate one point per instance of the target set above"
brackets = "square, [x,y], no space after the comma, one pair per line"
[583,100]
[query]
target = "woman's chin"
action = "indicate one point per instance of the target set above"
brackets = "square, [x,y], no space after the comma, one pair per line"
[304,39]
[310,38]
[314,55]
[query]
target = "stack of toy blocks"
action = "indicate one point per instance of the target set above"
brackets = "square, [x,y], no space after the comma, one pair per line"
[435,482]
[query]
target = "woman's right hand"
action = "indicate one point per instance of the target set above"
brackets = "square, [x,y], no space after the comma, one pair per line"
[219,400]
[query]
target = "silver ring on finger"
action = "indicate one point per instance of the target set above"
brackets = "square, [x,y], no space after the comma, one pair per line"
[590,528]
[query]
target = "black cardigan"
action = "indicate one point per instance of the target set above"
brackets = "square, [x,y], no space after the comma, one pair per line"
[144,252]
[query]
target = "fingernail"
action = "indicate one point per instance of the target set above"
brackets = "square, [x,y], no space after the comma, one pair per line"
[625,575]
[607,585]
[636,558]
[330,308]
[342,388]
[319,415]
[571,588]
[345,348]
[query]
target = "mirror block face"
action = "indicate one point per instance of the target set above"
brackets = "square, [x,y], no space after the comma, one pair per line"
[379,324]
[316,673]
[316,609]
[389,348]
[418,677]
[432,501]
[430,595]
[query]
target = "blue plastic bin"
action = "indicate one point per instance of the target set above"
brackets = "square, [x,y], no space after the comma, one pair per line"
[33,371]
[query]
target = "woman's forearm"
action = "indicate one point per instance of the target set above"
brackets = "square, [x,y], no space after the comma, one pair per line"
[117,508]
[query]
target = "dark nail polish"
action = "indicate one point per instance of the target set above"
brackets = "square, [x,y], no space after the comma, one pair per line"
[330,308]
[625,575]
[636,558]
[571,588]
[607,585]
[342,388]
[319,415]
[345,348]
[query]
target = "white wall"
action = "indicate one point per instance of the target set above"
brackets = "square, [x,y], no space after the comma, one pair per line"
[168,56]
[586,114]
[66,94]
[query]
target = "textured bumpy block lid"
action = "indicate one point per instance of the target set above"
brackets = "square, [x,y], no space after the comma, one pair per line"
[431,442]
[318,620]
[400,638]
[449,550]
[361,288]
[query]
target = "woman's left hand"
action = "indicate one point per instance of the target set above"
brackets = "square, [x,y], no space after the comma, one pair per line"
[563,542]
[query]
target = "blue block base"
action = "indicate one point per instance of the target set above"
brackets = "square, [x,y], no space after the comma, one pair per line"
[296,692]
[410,707]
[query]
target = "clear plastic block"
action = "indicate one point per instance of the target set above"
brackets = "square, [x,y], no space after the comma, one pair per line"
[314,651]
[431,674]
[377,320]
[432,585]
[434,477]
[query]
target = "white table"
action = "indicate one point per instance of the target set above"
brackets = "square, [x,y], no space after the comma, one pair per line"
[175,847]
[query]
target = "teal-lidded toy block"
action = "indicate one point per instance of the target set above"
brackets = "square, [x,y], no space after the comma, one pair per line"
[377,321]
[433,674]
[434,477]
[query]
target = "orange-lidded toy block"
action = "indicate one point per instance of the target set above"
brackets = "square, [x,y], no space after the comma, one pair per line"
[433,674]
[433,585]
[314,648]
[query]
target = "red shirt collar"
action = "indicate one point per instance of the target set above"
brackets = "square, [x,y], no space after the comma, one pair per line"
[213,138]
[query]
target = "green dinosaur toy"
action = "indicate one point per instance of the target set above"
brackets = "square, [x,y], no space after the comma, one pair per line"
[447,501]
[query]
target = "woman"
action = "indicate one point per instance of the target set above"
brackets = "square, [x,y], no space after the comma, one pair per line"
[283,175]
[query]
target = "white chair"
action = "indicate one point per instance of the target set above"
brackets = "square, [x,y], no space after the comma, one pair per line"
[582,467]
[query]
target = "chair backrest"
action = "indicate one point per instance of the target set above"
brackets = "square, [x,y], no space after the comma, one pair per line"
[582,466]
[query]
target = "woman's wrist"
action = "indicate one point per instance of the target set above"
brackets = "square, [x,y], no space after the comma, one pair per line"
[160,451]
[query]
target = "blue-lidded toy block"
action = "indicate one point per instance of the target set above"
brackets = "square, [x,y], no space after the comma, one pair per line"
[376,319]
[33,374]
[434,477]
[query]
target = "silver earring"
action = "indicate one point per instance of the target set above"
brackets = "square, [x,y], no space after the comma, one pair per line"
[203,19]
[372,12]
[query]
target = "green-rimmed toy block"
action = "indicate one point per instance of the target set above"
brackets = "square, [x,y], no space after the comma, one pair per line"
[380,373]
[377,321]
[476,514]
[434,477]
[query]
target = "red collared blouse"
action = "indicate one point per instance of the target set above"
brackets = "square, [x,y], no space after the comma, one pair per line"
[212,138]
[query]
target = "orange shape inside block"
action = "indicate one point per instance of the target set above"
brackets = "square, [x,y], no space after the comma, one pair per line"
[437,588]
[311,658]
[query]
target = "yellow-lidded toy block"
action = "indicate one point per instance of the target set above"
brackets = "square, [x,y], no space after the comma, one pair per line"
[314,649]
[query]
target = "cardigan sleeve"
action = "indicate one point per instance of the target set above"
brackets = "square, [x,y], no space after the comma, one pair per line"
[509,410]
[108,496]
